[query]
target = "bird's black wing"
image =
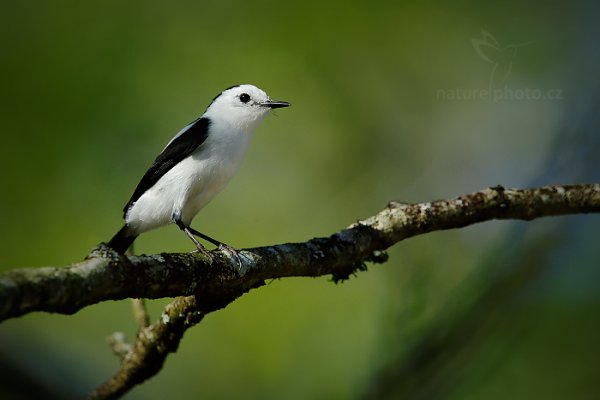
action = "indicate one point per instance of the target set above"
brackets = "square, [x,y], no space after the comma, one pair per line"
[179,148]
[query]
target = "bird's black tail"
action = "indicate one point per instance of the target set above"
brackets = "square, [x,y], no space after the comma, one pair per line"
[122,240]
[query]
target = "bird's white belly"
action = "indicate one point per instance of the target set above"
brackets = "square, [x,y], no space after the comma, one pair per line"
[211,177]
[187,187]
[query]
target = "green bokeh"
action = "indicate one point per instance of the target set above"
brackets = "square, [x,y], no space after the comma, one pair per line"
[91,91]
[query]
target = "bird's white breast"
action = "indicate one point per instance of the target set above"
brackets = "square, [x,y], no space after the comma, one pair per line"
[193,182]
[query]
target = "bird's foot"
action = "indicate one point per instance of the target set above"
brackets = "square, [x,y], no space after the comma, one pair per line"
[232,253]
[202,250]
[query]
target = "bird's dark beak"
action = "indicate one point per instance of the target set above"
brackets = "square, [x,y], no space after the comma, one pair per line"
[276,104]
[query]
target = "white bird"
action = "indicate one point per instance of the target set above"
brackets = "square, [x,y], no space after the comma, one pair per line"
[194,166]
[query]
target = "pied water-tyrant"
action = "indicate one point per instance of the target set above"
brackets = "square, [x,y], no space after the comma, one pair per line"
[194,166]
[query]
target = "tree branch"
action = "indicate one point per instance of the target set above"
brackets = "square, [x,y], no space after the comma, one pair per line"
[105,275]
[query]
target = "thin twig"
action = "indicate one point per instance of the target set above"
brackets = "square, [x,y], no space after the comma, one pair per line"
[118,345]
[140,313]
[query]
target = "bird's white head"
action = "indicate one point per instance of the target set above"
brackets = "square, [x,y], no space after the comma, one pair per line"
[243,106]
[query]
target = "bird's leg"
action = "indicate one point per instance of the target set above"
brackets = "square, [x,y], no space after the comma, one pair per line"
[206,237]
[187,231]
[222,246]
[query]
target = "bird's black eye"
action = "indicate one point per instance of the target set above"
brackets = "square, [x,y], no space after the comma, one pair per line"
[244,97]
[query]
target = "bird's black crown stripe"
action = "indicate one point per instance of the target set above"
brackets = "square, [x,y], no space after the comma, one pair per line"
[181,147]
[231,87]
[217,96]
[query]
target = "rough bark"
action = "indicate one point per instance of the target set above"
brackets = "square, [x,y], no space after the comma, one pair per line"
[205,287]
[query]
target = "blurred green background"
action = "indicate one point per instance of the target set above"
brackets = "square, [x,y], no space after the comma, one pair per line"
[388,104]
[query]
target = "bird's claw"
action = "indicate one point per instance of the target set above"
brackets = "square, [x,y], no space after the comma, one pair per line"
[205,252]
[233,253]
